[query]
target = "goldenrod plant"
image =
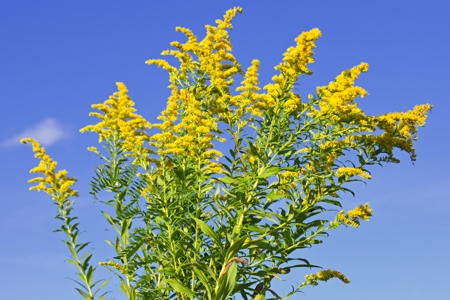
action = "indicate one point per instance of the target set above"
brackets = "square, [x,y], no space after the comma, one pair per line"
[193,222]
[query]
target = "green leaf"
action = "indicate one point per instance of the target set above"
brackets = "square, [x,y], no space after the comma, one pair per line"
[110,221]
[123,286]
[227,284]
[110,243]
[180,288]
[208,231]
[134,248]
[104,283]
[72,250]
[207,269]
[179,172]
[86,262]
[102,296]
[234,248]
[259,244]
[89,275]
[274,196]
[227,180]
[253,150]
[73,262]
[80,247]
[83,286]
[333,202]
[204,280]
[86,296]
[269,172]
[124,234]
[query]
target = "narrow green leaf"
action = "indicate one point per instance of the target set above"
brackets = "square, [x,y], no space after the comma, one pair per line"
[110,243]
[73,262]
[97,282]
[269,172]
[135,248]
[253,150]
[274,196]
[86,262]
[234,248]
[102,296]
[204,280]
[227,284]
[208,231]
[86,296]
[83,286]
[124,287]
[80,247]
[72,250]
[89,275]
[180,288]
[110,221]
[227,179]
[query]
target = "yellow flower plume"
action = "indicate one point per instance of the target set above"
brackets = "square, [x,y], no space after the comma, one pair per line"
[352,172]
[297,58]
[117,116]
[57,185]
[325,275]
[361,212]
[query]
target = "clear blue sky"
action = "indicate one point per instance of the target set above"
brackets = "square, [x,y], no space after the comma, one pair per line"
[59,57]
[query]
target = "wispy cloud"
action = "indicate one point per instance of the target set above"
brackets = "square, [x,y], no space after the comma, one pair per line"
[46,132]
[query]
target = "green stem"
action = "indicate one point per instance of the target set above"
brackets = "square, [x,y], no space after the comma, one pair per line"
[64,211]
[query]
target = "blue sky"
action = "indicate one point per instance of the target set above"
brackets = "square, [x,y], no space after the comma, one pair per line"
[59,57]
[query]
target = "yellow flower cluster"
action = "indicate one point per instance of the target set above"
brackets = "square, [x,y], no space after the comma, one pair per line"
[216,48]
[57,185]
[293,104]
[251,81]
[114,265]
[287,180]
[192,135]
[297,58]
[338,97]
[289,175]
[294,64]
[325,275]
[118,117]
[352,172]
[360,212]
[405,123]
[353,216]
[399,129]
[249,101]
[333,150]
[199,93]
[212,53]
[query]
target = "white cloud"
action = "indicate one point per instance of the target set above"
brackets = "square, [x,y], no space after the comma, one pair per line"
[46,132]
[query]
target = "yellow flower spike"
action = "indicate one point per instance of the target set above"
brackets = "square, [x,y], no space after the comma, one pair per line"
[362,212]
[161,63]
[352,172]
[57,185]
[297,58]
[339,95]
[325,275]
[293,104]
[249,100]
[119,117]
